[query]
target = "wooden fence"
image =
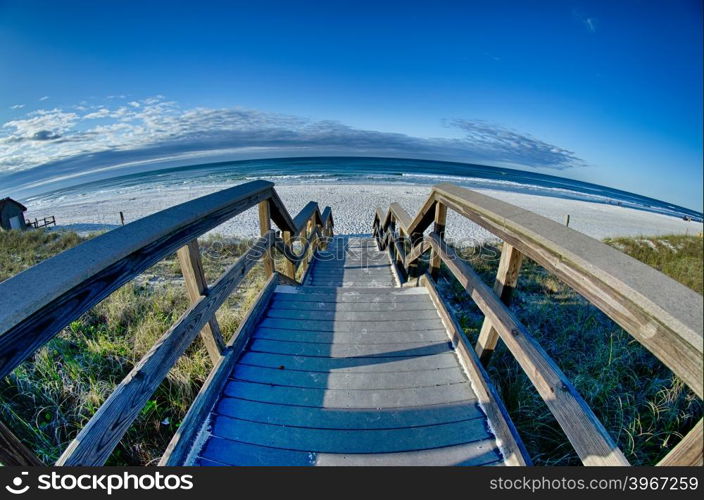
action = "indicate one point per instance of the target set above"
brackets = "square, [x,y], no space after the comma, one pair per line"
[39,223]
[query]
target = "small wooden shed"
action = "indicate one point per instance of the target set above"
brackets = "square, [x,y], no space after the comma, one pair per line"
[12,214]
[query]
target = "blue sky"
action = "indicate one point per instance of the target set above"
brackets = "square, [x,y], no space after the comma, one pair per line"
[605,92]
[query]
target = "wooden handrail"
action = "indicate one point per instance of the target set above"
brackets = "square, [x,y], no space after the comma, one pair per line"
[590,439]
[37,303]
[663,315]
[689,450]
[103,432]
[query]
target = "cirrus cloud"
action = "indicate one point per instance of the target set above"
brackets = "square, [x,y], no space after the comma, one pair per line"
[57,142]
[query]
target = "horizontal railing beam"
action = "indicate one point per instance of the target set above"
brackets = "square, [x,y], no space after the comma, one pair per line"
[310,211]
[687,452]
[660,313]
[37,303]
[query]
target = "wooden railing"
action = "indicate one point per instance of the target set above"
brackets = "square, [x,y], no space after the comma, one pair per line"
[37,223]
[38,303]
[658,312]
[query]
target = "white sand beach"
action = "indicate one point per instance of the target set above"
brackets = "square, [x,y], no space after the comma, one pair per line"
[353,210]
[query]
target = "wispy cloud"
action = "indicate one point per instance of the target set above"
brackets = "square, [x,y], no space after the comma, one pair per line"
[56,142]
[44,98]
[17,106]
[589,22]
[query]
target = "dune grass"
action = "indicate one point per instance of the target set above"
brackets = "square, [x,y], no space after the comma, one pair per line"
[49,398]
[642,404]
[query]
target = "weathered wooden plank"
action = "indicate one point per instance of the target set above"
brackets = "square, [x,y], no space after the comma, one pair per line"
[383,298]
[348,283]
[264,228]
[353,381]
[399,305]
[37,303]
[663,315]
[224,451]
[285,280]
[336,350]
[196,286]
[14,452]
[235,453]
[341,266]
[402,218]
[506,279]
[416,252]
[305,215]
[104,430]
[184,438]
[361,316]
[349,365]
[289,265]
[353,273]
[439,229]
[351,326]
[508,439]
[590,439]
[350,440]
[351,399]
[326,418]
[383,281]
[280,215]
[366,300]
[360,292]
[377,365]
[387,337]
[688,452]
[327,220]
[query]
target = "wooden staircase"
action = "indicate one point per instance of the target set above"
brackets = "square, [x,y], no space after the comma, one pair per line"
[349,355]
[348,370]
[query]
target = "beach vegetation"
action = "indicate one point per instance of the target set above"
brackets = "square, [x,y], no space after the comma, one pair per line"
[51,396]
[643,405]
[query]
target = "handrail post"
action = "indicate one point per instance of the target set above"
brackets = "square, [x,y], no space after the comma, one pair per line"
[307,244]
[264,227]
[14,452]
[289,268]
[506,280]
[414,267]
[191,263]
[439,228]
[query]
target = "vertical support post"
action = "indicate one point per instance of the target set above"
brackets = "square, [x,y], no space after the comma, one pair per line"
[264,227]
[506,279]
[414,267]
[14,452]
[196,286]
[313,238]
[289,268]
[122,218]
[309,243]
[567,220]
[439,228]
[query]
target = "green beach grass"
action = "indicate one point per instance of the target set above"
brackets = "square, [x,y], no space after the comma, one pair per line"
[48,398]
[646,409]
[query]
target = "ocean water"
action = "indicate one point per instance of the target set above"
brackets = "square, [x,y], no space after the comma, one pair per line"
[371,170]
